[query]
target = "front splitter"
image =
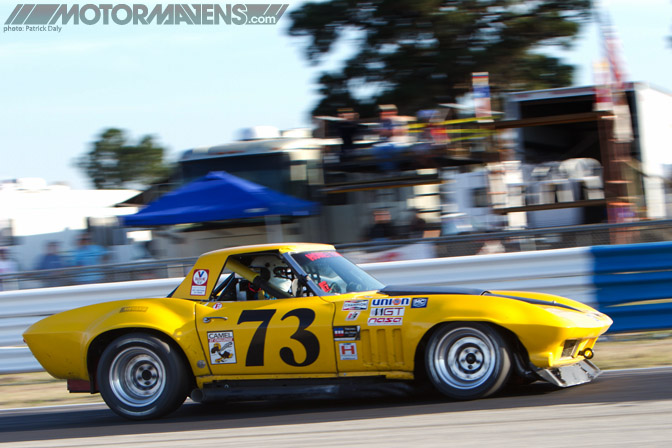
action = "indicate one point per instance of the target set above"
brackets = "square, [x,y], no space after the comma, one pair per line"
[566,376]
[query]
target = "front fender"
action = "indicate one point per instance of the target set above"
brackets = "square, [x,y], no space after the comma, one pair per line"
[542,327]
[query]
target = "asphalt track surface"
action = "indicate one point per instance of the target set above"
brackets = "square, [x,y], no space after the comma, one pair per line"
[620,408]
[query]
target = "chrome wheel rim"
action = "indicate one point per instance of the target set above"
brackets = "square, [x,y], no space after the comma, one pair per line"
[137,376]
[465,358]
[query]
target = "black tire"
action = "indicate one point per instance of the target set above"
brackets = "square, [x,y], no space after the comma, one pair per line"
[141,376]
[466,361]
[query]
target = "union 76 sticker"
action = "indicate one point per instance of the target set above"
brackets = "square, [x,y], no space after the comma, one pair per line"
[199,282]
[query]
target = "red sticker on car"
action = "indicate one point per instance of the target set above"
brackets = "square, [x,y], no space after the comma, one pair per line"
[199,282]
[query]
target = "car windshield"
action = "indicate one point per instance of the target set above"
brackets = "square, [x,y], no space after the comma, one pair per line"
[334,273]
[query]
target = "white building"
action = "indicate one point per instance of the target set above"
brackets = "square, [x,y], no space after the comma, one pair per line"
[33,213]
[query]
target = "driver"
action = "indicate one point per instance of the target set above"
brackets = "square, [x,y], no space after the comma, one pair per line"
[274,271]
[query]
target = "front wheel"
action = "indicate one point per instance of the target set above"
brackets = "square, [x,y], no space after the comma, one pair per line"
[141,376]
[467,360]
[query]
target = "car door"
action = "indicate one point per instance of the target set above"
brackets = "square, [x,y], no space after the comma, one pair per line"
[373,332]
[268,337]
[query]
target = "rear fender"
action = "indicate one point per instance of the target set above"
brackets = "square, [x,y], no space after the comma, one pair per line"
[63,342]
[172,318]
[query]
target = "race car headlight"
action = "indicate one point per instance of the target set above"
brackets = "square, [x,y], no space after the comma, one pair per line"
[562,312]
[570,314]
[596,316]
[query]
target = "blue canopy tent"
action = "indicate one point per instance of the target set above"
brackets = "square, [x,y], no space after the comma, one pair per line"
[218,196]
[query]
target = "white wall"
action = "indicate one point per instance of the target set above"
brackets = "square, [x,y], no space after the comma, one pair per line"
[654,110]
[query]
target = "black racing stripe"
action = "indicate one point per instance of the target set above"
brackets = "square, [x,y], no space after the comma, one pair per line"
[533,301]
[401,290]
[404,290]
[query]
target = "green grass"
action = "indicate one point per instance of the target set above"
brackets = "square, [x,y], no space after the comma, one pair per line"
[634,350]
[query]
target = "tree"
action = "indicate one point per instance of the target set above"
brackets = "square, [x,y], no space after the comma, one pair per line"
[115,163]
[417,53]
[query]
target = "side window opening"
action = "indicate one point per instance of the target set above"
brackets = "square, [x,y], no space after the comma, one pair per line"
[259,276]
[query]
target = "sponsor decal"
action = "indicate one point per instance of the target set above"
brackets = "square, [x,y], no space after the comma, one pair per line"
[312,256]
[396,320]
[346,333]
[355,305]
[129,309]
[387,312]
[222,348]
[397,301]
[419,302]
[352,315]
[348,351]
[199,282]
[216,306]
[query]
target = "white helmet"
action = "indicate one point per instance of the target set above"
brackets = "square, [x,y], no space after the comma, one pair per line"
[271,268]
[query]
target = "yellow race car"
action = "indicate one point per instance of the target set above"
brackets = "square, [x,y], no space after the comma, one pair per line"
[285,319]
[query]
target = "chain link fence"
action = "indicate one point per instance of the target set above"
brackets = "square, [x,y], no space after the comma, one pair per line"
[447,246]
[108,273]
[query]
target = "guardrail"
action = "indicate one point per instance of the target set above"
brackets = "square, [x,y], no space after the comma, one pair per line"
[631,283]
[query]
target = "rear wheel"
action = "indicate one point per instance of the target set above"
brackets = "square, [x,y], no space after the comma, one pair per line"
[141,376]
[467,360]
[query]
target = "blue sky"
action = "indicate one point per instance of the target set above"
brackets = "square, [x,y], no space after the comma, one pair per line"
[196,85]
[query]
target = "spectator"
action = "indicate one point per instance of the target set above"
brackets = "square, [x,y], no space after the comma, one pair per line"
[417,227]
[492,247]
[348,128]
[382,228]
[52,260]
[392,127]
[7,266]
[89,254]
[393,137]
